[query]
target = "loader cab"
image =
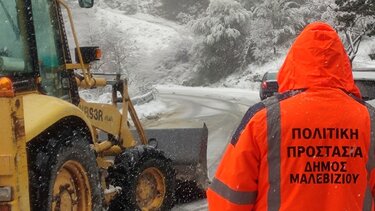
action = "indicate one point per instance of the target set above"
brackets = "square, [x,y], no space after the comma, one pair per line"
[34,48]
[30,46]
[51,58]
[17,53]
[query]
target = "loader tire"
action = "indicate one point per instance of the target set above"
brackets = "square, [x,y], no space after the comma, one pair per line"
[147,179]
[64,175]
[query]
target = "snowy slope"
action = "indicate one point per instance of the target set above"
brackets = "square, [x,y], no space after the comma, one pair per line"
[153,38]
[150,33]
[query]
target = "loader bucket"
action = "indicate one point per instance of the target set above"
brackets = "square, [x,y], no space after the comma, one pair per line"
[187,148]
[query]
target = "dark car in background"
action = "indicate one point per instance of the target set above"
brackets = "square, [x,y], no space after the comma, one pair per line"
[268,85]
[364,78]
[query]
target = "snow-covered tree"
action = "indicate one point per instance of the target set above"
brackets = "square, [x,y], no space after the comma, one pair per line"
[319,10]
[250,4]
[118,50]
[182,10]
[274,23]
[149,6]
[355,20]
[129,6]
[223,33]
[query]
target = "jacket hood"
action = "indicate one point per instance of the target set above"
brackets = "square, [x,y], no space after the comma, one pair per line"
[317,58]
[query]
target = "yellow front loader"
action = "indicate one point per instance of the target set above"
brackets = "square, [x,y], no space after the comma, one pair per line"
[59,152]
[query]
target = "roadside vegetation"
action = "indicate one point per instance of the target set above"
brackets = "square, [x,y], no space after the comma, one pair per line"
[226,37]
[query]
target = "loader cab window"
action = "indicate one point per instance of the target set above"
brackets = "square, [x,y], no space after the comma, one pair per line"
[48,41]
[14,52]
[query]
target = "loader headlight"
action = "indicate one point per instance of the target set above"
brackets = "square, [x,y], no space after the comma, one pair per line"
[5,194]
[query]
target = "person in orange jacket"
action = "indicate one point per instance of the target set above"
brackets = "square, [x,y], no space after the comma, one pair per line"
[310,147]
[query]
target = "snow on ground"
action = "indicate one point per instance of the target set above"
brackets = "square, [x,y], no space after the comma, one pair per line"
[151,109]
[241,85]
[154,39]
[153,35]
[157,107]
[150,33]
[245,79]
[229,94]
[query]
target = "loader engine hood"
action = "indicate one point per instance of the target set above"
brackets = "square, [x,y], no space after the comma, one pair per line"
[42,111]
[317,58]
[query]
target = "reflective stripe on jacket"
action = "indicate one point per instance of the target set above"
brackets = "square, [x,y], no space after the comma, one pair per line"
[308,148]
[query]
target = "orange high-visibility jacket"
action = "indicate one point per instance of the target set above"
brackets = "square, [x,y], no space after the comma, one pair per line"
[311,147]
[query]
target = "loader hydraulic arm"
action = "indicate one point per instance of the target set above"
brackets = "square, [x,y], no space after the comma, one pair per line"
[128,106]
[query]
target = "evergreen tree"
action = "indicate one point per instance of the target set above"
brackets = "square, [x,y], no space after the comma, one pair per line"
[275,22]
[355,20]
[220,51]
[250,4]
[182,10]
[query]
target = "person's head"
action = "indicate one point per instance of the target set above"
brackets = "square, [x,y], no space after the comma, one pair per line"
[317,58]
